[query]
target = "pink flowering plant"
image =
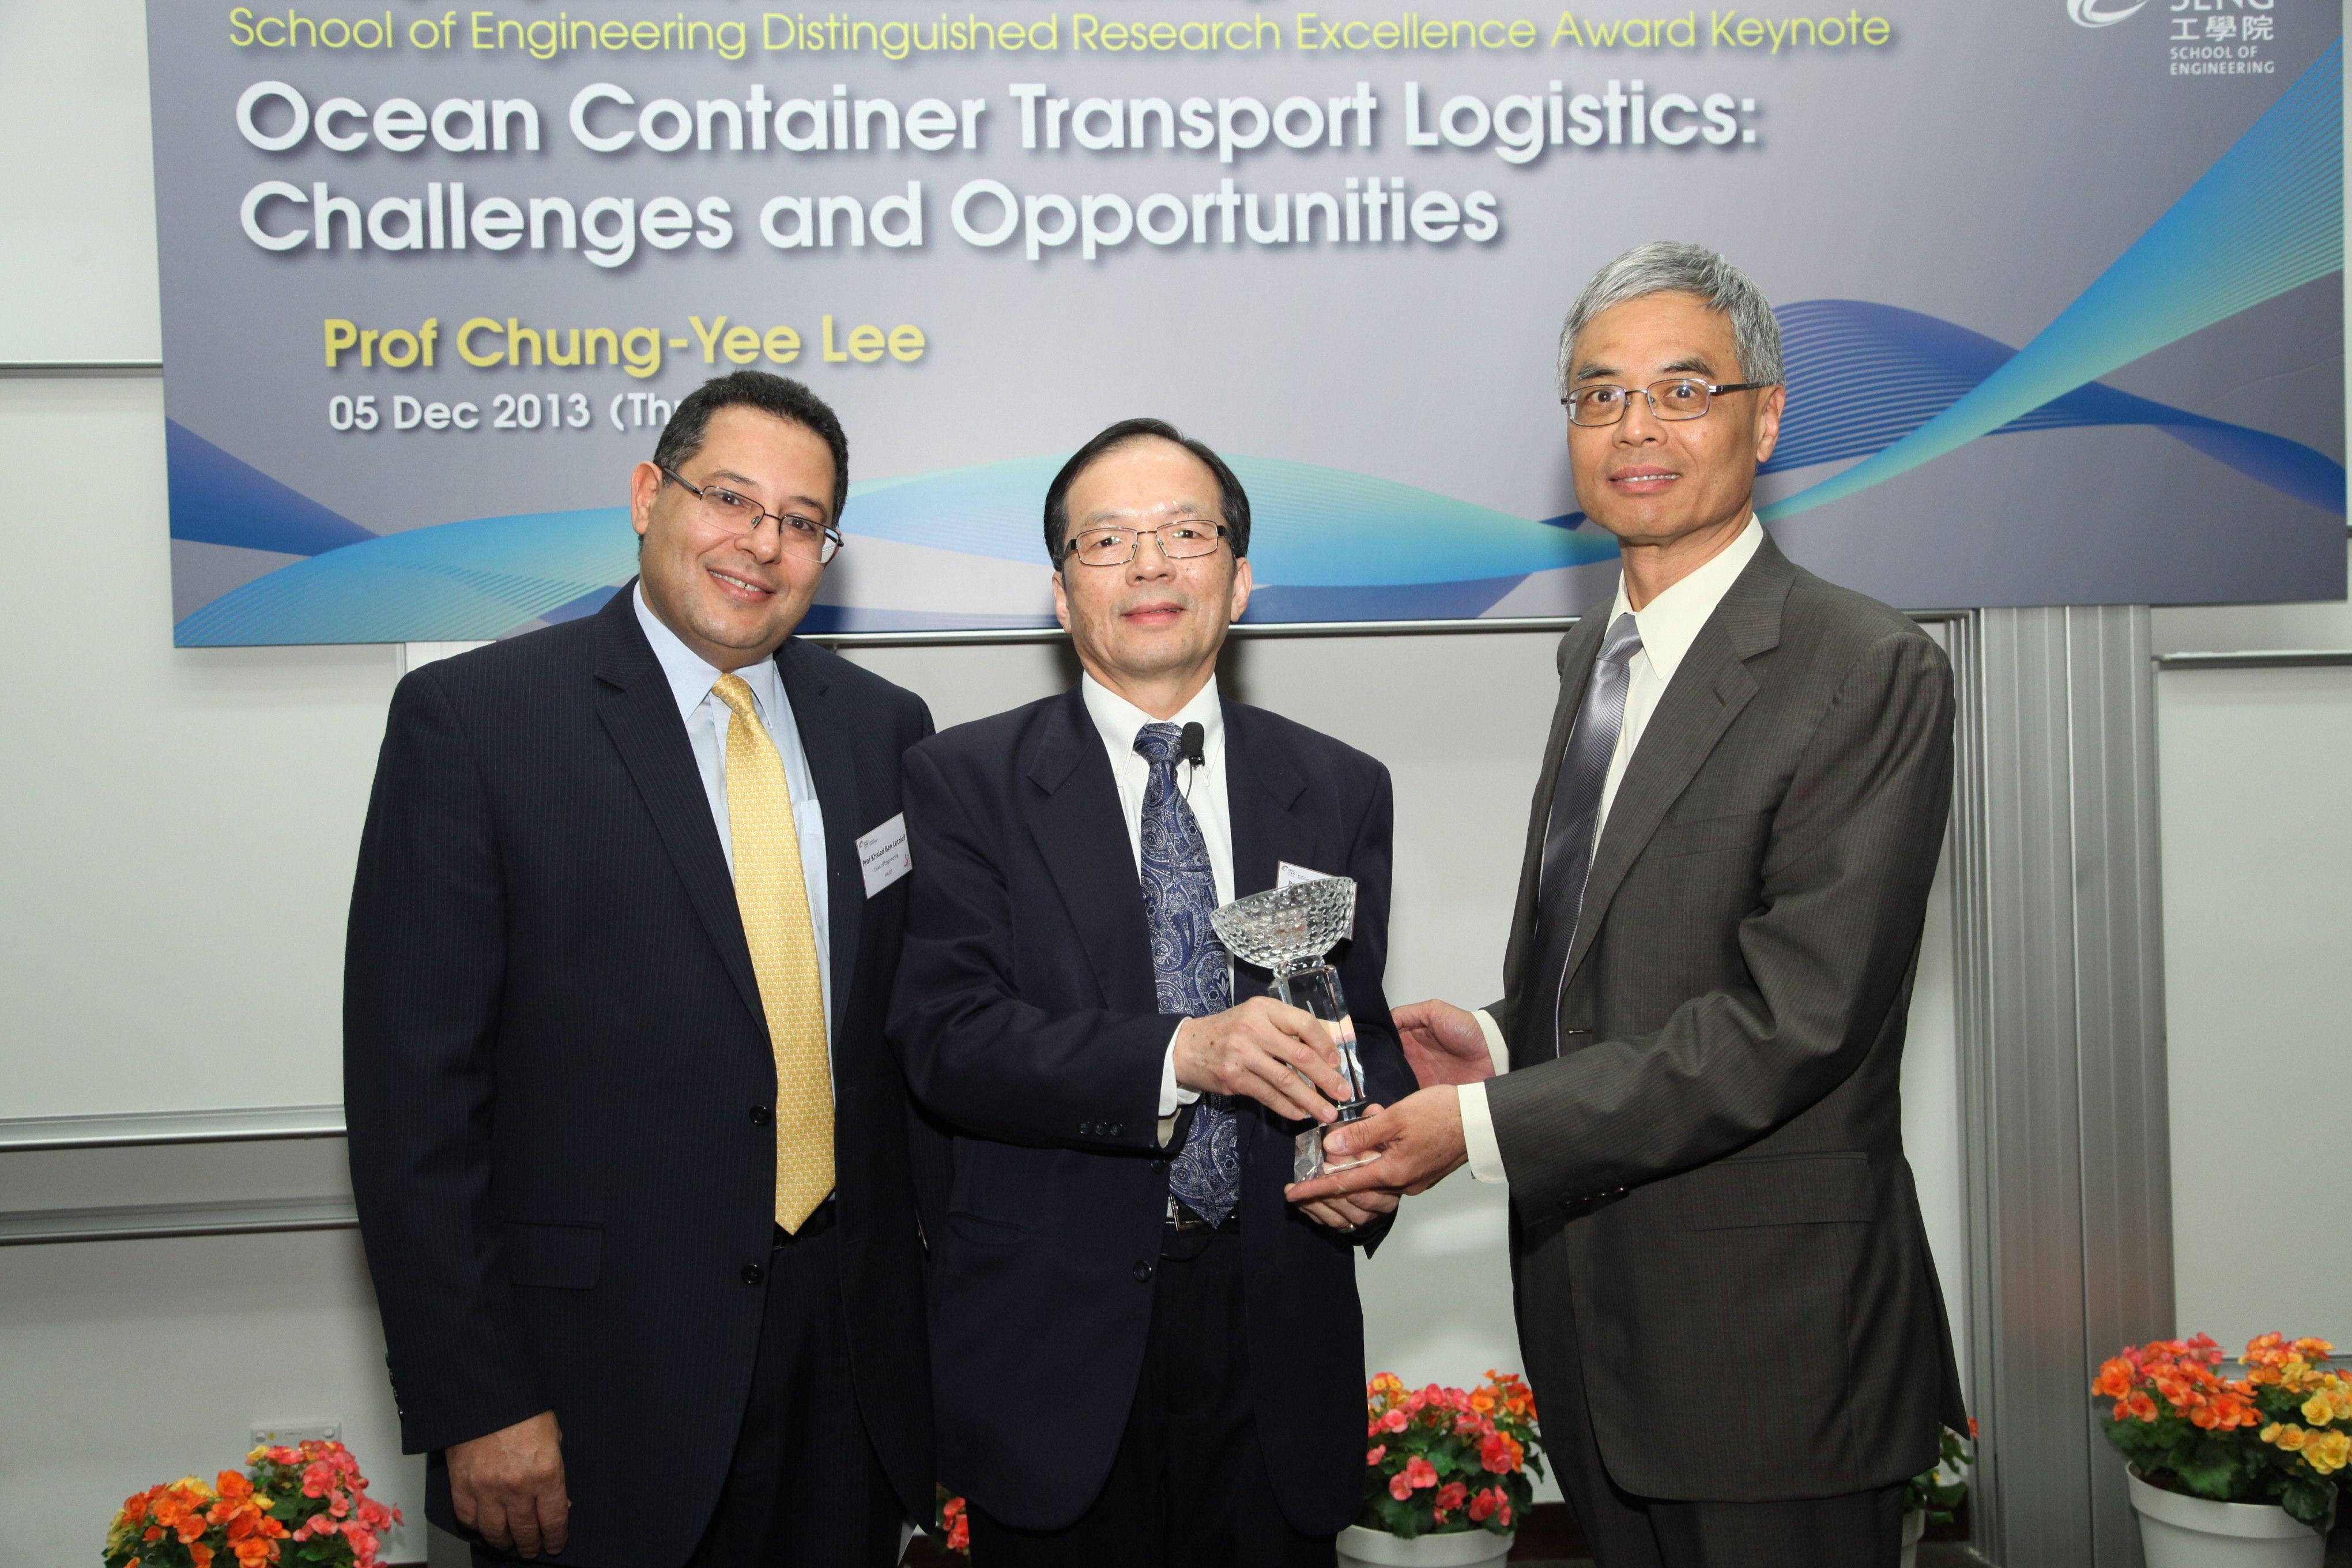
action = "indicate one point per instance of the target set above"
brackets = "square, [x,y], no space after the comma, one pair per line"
[1444,1461]
[319,1495]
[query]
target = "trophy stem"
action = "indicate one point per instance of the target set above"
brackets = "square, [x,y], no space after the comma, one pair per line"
[1287,930]
[1315,988]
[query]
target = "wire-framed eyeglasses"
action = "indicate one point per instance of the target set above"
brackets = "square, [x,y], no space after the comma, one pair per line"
[1109,546]
[738,513]
[1676,397]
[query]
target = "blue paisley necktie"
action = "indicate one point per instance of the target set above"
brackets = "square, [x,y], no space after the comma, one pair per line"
[1195,979]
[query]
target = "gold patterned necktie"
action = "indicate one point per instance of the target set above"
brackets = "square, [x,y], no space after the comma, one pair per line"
[774,904]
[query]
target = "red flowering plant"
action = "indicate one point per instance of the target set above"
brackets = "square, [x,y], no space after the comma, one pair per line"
[2281,1434]
[952,1522]
[306,1505]
[1441,1461]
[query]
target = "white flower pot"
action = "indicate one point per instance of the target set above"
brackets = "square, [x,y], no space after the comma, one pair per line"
[2177,1531]
[1915,1530]
[1361,1548]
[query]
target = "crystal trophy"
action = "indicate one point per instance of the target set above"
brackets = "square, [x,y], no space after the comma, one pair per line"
[1289,930]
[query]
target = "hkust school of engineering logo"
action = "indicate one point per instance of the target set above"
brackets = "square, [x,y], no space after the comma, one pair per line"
[2210,38]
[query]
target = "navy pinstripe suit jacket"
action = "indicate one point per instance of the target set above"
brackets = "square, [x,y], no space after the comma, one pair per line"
[1030,1022]
[557,1075]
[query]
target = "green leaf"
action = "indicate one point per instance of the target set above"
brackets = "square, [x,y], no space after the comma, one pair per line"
[2307,1501]
[2206,1479]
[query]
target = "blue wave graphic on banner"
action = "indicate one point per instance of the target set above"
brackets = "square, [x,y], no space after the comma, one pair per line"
[1320,527]
[1328,544]
[458,582]
[218,499]
[2268,216]
[1864,376]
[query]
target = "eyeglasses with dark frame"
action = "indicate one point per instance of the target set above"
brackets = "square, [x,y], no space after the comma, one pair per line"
[1676,397]
[741,514]
[1185,541]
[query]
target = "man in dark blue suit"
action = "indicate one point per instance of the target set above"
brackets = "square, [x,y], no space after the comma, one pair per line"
[631,1151]
[1142,1354]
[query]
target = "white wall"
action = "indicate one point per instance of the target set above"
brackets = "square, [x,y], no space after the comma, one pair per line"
[78,230]
[184,821]
[2253,766]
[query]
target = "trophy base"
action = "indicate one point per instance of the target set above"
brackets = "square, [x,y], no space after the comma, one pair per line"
[1308,1161]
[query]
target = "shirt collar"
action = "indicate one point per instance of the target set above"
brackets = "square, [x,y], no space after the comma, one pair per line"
[1670,622]
[1119,720]
[691,677]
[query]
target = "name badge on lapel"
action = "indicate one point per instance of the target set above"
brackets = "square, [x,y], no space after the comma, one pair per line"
[883,856]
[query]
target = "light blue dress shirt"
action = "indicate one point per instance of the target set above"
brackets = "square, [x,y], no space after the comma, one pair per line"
[690,680]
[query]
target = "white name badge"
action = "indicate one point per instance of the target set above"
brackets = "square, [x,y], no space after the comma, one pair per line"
[1286,875]
[882,855]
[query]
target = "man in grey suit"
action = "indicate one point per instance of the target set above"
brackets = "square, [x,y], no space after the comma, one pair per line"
[1692,1082]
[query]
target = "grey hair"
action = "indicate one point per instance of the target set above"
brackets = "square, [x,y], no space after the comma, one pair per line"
[1671,266]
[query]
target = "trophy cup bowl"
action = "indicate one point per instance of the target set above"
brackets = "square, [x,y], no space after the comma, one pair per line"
[1289,931]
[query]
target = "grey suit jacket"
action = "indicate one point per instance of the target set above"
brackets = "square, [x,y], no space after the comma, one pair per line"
[1711,1210]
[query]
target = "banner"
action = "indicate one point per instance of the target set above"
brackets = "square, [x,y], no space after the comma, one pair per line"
[2060,281]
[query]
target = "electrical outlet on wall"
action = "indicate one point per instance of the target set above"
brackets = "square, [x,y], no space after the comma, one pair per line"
[287,1434]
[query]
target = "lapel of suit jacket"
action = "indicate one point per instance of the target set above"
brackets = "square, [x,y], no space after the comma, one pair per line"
[1577,649]
[825,726]
[1073,814]
[1263,786]
[1710,688]
[634,702]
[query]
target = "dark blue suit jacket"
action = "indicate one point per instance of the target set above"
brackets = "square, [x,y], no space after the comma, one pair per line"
[558,1077]
[1028,1018]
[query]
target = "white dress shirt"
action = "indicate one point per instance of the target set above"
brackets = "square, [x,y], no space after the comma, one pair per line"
[1118,720]
[707,716]
[1668,624]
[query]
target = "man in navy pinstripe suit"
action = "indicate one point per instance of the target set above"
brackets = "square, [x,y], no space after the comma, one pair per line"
[620,1343]
[1143,1355]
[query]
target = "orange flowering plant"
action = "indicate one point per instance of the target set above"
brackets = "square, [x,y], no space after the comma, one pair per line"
[2281,1434]
[1440,1461]
[306,1505]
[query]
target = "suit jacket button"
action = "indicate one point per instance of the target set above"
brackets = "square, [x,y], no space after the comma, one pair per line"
[1112,1130]
[761,1116]
[753,1274]
[1143,1274]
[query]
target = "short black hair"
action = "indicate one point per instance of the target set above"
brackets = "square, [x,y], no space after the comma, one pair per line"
[1231,500]
[780,396]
